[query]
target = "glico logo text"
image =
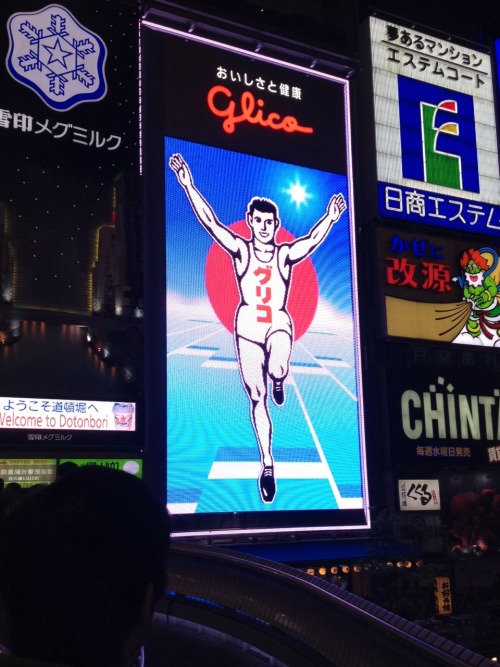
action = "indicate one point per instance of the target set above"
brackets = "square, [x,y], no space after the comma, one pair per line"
[251,110]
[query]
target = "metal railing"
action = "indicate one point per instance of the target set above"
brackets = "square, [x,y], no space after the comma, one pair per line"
[298,618]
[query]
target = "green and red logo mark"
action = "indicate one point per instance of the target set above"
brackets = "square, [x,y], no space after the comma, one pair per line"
[438,135]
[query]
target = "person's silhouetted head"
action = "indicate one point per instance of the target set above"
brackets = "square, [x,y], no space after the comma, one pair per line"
[82,563]
[64,468]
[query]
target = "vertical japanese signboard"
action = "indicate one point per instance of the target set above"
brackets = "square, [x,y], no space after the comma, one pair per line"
[70,238]
[264,395]
[436,143]
[442,596]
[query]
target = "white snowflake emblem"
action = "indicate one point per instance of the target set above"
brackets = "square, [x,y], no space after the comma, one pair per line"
[54,55]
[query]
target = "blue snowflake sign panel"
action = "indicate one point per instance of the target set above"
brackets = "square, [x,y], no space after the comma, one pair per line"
[57,57]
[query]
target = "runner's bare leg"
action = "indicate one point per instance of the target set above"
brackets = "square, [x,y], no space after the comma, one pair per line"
[253,369]
[279,350]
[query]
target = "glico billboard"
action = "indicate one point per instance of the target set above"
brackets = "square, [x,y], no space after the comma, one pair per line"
[436,143]
[264,396]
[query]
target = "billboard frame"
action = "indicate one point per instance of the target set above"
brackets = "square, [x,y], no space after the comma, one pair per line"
[228,524]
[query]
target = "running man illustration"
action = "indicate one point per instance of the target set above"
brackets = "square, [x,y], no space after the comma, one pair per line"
[263,328]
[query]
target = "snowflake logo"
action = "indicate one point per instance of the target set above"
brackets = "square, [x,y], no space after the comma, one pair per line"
[54,55]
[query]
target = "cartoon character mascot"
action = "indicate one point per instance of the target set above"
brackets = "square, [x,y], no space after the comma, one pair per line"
[479,284]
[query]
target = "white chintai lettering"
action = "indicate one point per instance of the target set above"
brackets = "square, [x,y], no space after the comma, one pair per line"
[468,409]
[434,414]
[489,403]
[412,428]
[439,413]
[452,416]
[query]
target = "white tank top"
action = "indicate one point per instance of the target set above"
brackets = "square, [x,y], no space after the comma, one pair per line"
[264,293]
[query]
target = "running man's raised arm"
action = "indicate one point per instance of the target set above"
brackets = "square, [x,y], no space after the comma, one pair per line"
[305,245]
[202,209]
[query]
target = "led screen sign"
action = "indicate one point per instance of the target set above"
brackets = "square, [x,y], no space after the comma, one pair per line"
[44,414]
[27,472]
[441,419]
[132,466]
[439,288]
[70,234]
[264,400]
[33,471]
[437,154]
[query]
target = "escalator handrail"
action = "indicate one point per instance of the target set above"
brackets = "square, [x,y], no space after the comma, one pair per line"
[246,583]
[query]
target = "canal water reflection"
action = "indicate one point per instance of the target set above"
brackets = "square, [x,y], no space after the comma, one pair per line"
[55,361]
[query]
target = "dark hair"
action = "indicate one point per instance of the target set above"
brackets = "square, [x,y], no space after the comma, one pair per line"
[76,560]
[264,205]
[65,468]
